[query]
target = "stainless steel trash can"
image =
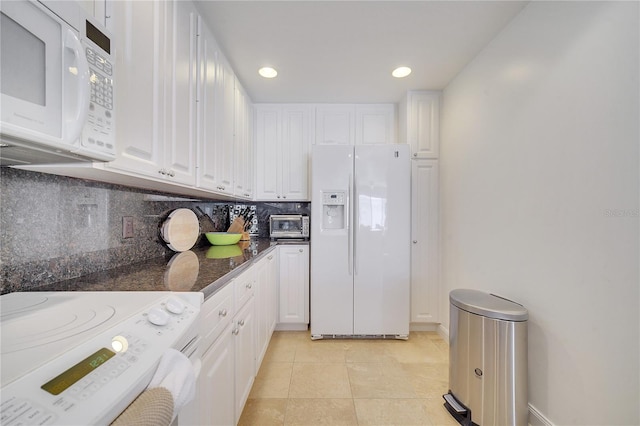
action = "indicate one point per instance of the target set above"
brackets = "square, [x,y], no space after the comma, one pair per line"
[487,360]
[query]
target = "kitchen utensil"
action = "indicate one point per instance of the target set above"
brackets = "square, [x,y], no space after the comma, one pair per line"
[237,225]
[223,238]
[180,230]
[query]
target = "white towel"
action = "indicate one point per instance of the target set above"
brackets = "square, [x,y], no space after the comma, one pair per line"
[176,374]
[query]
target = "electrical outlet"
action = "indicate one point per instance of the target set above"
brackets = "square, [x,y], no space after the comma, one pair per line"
[127,226]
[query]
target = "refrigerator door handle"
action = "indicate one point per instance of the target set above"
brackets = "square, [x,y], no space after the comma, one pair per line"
[348,220]
[356,225]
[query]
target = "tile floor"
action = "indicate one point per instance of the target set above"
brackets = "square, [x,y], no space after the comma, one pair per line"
[350,382]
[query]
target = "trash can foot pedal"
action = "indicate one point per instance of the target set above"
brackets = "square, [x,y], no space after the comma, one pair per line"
[459,412]
[454,404]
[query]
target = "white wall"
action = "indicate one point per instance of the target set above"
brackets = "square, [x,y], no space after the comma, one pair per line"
[540,198]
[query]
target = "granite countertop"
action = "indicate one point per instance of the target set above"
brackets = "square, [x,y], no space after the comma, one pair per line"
[205,269]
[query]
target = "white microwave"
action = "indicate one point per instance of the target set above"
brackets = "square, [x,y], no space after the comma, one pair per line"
[57,85]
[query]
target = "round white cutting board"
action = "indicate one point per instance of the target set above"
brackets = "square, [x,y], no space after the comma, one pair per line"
[181,230]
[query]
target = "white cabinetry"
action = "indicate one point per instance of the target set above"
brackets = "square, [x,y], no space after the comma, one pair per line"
[419,123]
[224,122]
[266,303]
[425,283]
[375,124]
[293,291]
[335,125]
[214,403]
[243,144]
[282,150]
[244,347]
[360,124]
[155,93]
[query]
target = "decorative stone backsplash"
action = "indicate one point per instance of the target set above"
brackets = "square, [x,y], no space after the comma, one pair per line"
[54,228]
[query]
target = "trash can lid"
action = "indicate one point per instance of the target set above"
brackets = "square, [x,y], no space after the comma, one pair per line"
[488,305]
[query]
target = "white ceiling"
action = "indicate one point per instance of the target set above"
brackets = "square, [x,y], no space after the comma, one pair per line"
[344,51]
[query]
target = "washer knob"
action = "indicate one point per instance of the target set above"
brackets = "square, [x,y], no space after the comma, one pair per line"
[175,305]
[157,316]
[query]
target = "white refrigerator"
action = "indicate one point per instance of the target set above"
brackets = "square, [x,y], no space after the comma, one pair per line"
[360,241]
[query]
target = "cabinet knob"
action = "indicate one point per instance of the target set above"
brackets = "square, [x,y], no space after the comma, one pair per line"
[162,172]
[269,257]
[300,250]
[249,286]
[278,196]
[415,154]
[415,241]
[235,331]
[284,196]
[171,173]
[241,323]
[223,313]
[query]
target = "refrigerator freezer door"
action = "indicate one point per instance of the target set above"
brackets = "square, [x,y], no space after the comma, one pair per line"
[382,184]
[331,246]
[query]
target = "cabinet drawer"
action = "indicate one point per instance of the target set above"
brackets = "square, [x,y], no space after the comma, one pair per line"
[244,288]
[216,314]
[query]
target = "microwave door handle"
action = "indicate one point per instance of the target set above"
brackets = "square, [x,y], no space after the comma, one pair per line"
[75,124]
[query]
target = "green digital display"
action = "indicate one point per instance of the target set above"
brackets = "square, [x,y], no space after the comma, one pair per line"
[62,382]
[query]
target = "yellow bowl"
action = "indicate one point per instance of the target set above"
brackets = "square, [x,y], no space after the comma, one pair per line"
[222,238]
[224,252]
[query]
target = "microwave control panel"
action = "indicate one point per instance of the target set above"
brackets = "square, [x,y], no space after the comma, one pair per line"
[98,134]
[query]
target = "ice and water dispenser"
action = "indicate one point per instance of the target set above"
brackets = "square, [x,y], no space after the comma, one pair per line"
[334,210]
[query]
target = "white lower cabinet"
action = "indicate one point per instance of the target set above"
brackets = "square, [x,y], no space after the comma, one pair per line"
[424,245]
[293,291]
[266,304]
[236,325]
[244,346]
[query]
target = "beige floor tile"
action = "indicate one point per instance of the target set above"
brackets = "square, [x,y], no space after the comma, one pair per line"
[438,414]
[333,412]
[428,380]
[368,353]
[418,351]
[379,380]
[263,412]
[272,380]
[319,380]
[320,353]
[400,412]
[282,349]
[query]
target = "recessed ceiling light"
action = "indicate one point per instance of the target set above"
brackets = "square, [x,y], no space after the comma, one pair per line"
[267,72]
[401,72]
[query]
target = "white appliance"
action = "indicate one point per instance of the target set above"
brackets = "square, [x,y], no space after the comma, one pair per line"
[360,218]
[57,86]
[80,358]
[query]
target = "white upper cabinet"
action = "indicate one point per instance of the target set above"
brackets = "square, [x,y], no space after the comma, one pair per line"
[419,123]
[359,124]
[224,118]
[243,144]
[156,89]
[335,125]
[282,149]
[180,88]
[375,124]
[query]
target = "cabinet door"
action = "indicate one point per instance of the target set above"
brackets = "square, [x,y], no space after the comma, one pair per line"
[334,125]
[244,341]
[424,248]
[294,154]
[243,154]
[423,126]
[180,80]
[224,113]
[294,284]
[272,291]
[375,124]
[208,176]
[261,310]
[214,403]
[139,92]
[267,151]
